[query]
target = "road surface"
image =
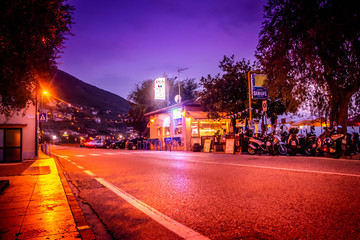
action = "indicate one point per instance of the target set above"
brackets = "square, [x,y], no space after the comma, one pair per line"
[186,195]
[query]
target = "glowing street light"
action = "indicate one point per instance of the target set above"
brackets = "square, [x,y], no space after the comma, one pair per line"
[44,92]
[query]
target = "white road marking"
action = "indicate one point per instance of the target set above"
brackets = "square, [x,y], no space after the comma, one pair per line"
[276,168]
[79,155]
[73,163]
[169,223]
[95,154]
[80,167]
[60,156]
[110,153]
[89,173]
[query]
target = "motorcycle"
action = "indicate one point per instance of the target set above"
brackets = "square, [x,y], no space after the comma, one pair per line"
[310,143]
[260,144]
[293,142]
[331,143]
[279,145]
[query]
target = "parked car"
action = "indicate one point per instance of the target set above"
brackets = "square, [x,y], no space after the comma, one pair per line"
[119,144]
[94,144]
[107,143]
[133,143]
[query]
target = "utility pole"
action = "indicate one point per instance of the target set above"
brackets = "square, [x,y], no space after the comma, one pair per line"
[179,71]
[249,86]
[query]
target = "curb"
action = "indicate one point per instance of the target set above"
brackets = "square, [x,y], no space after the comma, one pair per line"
[79,218]
[3,185]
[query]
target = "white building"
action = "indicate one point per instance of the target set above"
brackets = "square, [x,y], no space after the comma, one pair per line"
[18,136]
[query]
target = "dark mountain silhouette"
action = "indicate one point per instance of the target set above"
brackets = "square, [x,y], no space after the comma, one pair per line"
[79,93]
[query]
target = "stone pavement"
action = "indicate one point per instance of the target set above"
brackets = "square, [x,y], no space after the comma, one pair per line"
[39,204]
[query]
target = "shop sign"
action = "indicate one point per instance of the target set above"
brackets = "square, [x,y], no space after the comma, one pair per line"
[259,93]
[160,93]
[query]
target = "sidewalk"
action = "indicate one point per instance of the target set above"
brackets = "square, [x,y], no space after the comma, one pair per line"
[39,204]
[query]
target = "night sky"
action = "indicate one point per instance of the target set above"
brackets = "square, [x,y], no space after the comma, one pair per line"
[119,43]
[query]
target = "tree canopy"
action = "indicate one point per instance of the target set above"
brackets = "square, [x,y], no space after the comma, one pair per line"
[227,93]
[312,44]
[32,34]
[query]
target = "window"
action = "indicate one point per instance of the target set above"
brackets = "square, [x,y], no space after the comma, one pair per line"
[178,126]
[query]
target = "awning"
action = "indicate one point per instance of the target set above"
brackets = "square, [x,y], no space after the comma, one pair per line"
[198,114]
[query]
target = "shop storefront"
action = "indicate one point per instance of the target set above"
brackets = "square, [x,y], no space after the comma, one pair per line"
[184,125]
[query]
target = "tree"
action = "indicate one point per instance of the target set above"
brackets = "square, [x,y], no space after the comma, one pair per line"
[143,100]
[312,43]
[228,93]
[32,34]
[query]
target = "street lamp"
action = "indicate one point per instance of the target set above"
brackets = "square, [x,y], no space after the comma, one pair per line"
[42,99]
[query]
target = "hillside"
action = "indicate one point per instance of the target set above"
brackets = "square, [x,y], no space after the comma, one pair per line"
[79,93]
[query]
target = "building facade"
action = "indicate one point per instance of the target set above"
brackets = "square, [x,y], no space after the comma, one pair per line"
[18,136]
[186,124]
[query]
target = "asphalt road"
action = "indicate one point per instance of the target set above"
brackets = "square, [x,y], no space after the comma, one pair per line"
[176,195]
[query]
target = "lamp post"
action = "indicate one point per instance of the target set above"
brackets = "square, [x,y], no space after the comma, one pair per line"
[42,99]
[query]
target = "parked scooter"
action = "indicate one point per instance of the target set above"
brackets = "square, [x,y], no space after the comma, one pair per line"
[260,145]
[310,143]
[278,145]
[293,143]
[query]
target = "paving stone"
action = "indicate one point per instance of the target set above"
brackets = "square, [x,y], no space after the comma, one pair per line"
[51,228]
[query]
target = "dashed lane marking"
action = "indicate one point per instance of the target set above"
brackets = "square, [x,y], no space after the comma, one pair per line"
[169,223]
[60,156]
[110,153]
[95,154]
[90,173]
[81,167]
[79,155]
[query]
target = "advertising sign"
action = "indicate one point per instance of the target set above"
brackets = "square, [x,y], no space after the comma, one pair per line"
[258,91]
[229,145]
[160,93]
[207,145]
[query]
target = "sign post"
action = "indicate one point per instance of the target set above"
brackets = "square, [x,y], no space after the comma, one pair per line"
[256,89]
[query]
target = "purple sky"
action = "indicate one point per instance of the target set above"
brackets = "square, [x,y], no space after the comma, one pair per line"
[119,43]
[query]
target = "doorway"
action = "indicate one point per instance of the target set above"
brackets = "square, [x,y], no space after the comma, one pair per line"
[10,144]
